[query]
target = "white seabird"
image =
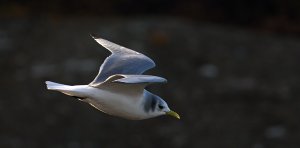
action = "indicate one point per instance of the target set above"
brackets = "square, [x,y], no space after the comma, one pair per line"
[119,87]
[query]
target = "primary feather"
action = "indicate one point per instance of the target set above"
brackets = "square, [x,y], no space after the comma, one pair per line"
[121,61]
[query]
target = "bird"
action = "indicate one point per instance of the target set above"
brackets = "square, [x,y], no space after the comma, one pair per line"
[119,87]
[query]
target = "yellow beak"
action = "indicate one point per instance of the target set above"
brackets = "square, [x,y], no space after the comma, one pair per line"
[173,114]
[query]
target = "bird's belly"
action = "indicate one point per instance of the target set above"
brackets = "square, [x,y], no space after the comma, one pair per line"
[115,104]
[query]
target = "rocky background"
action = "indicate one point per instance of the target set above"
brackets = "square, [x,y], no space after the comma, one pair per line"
[233,73]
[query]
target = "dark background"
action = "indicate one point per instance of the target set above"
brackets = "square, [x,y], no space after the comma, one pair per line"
[232,68]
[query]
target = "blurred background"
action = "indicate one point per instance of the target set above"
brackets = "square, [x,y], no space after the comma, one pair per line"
[232,68]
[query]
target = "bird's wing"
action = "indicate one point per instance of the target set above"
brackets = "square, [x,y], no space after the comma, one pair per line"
[134,84]
[121,61]
[142,79]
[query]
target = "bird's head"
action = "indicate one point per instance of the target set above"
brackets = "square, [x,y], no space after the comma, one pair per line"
[156,106]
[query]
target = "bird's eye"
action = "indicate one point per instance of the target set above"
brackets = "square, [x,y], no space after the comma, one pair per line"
[160,106]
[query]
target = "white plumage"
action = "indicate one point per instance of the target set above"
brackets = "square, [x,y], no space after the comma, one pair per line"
[118,89]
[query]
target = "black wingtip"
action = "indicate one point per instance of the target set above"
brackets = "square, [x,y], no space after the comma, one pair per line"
[94,36]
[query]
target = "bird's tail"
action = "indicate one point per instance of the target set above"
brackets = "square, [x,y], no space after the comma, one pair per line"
[66,89]
[55,86]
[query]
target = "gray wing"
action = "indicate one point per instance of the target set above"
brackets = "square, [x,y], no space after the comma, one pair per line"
[146,79]
[134,84]
[121,61]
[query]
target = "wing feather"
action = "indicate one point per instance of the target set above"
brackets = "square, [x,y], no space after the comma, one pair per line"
[129,83]
[121,61]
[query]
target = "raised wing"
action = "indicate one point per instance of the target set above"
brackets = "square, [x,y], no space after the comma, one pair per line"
[121,61]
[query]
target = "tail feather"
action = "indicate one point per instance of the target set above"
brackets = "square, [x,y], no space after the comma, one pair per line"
[55,86]
[66,89]
[75,91]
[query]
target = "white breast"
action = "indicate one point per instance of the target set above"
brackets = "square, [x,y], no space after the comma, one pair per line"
[114,103]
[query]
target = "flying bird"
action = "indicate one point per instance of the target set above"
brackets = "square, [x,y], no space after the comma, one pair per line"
[119,87]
